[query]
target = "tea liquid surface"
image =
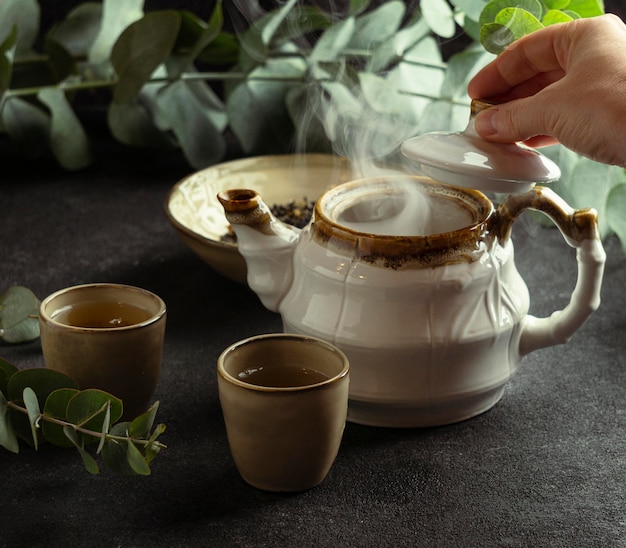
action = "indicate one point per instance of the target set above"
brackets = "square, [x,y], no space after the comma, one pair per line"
[101,315]
[282,376]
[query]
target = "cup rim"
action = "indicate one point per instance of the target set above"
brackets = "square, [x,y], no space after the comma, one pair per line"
[293,336]
[45,316]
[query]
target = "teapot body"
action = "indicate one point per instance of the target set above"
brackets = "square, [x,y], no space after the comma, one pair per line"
[427,345]
[433,316]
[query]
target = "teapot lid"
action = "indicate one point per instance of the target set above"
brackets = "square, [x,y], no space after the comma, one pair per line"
[465,159]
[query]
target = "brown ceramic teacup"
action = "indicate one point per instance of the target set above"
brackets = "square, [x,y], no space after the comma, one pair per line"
[285,400]
[106,336]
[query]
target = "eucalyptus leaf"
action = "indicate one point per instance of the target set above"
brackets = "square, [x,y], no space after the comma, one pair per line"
[273,23]
[32,406]
[223,50]
[60,61]
[470,27]
[333,41]
[417,81]
[140,49]
[342,105]
[396,47]
[377,26]
[137,461]
[89,462]
[8,439]
[87,408]
[42,381]
[141,426]
[556,4]
[151,450]
[131,123]
[471,8]
[495,37]
[379,95]
[78,31]
[519,21]
[256,108]
[19,310]
[301,21]
[115,451]
[56,407]
[25,15]
[68,139]
[7,51]
[7,370]
[355,7]
[116,17]
[27,124]
[552,17]
[461,68]
[104,430]
[439,17]
[180,104]
[257,42]
[194,36]
[616,206]
[303,105]
[586,8]
[494,7]
[437,116]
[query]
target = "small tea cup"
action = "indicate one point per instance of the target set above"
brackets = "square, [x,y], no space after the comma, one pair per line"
[285,399]
[106,336]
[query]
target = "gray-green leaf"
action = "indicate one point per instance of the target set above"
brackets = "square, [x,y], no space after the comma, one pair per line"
[19,309]
[8,439]
[27,125]
[25,15]
[141,48]
[183,107]
[32,406]
[78,31]
[68,139]
[116,16]
[439,17]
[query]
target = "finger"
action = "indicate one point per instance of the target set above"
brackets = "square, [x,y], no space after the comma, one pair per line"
[528,59]
[519,120]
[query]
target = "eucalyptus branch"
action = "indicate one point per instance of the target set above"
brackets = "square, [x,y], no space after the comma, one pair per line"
[78,428]
[73,417]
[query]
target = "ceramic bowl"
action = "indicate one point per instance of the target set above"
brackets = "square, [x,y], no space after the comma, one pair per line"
[194,211]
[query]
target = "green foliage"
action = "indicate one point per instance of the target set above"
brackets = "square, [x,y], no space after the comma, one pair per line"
[298,79]
[504,21]
[74,418]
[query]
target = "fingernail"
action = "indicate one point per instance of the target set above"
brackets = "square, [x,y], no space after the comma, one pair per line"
[485,122]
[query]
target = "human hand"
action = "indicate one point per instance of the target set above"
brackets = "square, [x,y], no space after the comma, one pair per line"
[564,83]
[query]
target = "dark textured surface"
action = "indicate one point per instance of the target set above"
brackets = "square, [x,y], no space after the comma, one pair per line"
[545,467]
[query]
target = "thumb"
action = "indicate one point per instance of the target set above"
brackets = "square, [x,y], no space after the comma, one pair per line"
[510,122]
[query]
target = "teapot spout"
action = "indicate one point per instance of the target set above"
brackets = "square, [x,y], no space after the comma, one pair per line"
[266,244]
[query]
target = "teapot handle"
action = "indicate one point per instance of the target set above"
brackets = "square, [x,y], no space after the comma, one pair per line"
[579,228]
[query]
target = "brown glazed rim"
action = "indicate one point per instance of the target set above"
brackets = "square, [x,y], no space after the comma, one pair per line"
[461,245]
[46,316]
[278,338]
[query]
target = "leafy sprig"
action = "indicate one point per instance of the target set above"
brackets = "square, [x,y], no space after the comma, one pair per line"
[41,405]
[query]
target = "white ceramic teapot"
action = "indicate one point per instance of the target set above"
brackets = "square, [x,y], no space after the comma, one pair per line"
[433,318]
